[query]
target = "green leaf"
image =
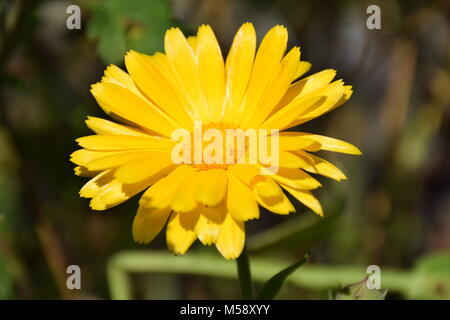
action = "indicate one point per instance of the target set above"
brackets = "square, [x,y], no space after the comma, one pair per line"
[360,291]
[121,25]
[271,288]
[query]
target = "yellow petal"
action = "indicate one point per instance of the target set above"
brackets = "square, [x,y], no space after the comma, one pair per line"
[241,201]
[286,115]
[307,198]
[216,214]
[162,63]
[180,236]
[326,143]
[93,186]
[296,178]
[290,160]
[303,67]
[279,205]
[207,230]
[318,80]
[307,85]
[115,75]
[143,167]
[192,40]
[212,70]
[114,193]
[238,68]
[84,172]
[161,194]
[184,200]
[182,60]
[348,91]
[270,196]
[117,159]
[320,166]
[154,79]
[211,186]
[82,157]
[245,172]
[330,95]
[293,141]
[266,186]
[231,239]
[148,223]
[102,126]
[267,61]
[121,142]
[277,87]
[108,196]
[125,104]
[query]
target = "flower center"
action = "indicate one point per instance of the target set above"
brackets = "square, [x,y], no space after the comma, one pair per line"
[215,145]
[218,145]
[222,144]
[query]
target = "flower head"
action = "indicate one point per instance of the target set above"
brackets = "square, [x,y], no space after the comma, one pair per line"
[253,89]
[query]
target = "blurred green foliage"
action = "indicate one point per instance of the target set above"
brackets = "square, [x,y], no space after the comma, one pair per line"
[360,291]
[122,25]
[432,277]
[428,279]
[6,282]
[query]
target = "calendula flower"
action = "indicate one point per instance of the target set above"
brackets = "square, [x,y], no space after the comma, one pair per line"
[252,89]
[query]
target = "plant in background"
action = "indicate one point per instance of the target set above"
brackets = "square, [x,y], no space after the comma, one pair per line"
[251,89]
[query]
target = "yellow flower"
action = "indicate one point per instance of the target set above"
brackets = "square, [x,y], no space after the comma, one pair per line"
[191,82]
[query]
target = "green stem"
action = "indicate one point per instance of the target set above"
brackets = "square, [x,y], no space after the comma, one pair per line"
[314,277]
[245,277]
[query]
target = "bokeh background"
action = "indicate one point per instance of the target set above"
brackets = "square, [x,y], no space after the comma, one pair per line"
[393,211]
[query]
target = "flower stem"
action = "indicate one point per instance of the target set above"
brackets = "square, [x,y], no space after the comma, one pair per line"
[245,277]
